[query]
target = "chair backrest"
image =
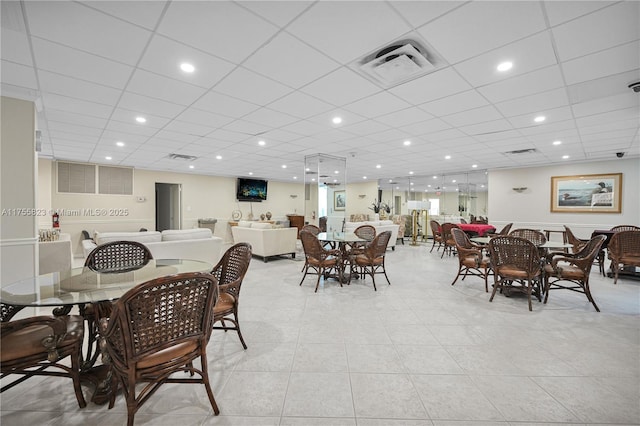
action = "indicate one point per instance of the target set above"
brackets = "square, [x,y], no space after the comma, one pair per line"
[533,235]
[462,220]
[322,223]
[311,246]
[311,228]
[435,227]
[159,314]
[514,253]
[366,232]
[589,252]
[505,230]
[461,239]
[620,228]
[120,256]
[576,242]
[446,230]
[233,266]
[625,243]
[378,247]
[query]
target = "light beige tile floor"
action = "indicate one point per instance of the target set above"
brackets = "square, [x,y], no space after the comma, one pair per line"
[418,352]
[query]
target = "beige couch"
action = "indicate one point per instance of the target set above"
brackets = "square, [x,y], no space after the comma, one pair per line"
[195,244]
[265,239]
[380,225]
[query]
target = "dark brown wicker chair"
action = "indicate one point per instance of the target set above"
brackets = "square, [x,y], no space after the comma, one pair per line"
[371,261]
[573,268]
[624,250]
[159,328]
[436,233]
[535,236]
[311,228]
[504,231]
[578,244]
[620,228]
[515,260]
[471,260]
[230,272]
[320,260]
[31,346]
[447,239]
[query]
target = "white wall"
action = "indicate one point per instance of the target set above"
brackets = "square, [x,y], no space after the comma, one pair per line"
[531,208]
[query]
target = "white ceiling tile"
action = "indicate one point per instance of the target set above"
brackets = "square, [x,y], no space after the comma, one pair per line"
[18,75]
[611,116]
[279,135]
[563,11]
[390,135]
[278,12]
[64,103]
[499,136]
[478,27]
[60,84]
[226,135]
[444,135]
[488,127]
[128,117]
[626,100]
[164,56]
[146,105]
[220,28]
[203,118]
[444,82]
[306,127]
[145,14]
[288,60]
[129,139]
[326,118]
[188,128]
[83,28]
[348,30]
[530,104]
[269,117]
[528,84]
[64,60]
[425,127]
[133,129]
[364,128]
[247,128]
[300,105]
[54,115]
[601,64]
[224,105]
[331,88]
[251,87]
[609,27]
[421,12]
[473,116]
[550,128]
[404,117]
[455,103]
[164,88]
[527,55]
[376,105]
[552,116]
[15,44]
[609,126]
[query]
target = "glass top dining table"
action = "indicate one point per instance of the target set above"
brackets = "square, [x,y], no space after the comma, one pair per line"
[546,245]
[84,285]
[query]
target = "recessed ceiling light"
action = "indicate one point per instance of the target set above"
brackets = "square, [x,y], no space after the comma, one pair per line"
[192,166]
[187,67]
[390,180]
[141,119]
[481,186]
[474,166]
[453,181]
[337,120]
[540,119]
[250,173]
[336,171]
[378,166]
[447,157]
[504,66]
[262,143]
[284,166]
[411,183]
[295,177]
[429,186]
[218,157]
[307,169]
[564,157]
[107,158]
[406,143]
[426,190]
[120,143]
[364,177]
[557,142]
[410,173]
[313,179]
[335,180]
[435,177]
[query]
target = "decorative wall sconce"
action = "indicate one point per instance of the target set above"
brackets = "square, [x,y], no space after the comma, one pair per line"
[293,196]
[520,189]
[362,196]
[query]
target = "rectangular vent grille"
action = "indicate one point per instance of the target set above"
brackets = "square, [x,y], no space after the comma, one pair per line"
[522,151]
[182,157]
[115,180]
[76,178]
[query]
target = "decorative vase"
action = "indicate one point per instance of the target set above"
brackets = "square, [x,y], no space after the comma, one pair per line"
[262,216]
[268,215]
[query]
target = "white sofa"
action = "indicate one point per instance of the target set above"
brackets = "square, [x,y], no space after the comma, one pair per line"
[265,239]
[196,243]
[381,226]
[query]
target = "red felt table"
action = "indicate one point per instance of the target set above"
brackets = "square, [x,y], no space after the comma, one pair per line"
[479,228]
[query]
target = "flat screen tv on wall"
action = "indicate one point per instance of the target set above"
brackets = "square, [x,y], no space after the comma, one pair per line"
[251,189]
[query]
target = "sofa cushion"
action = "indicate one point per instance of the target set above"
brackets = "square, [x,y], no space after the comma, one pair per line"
[386,222]
[140,237]
[262,225]
[186,234]
[245,224]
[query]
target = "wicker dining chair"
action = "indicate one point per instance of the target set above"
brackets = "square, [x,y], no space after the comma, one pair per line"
[447,239]
[371,261]
[504,231]
[620,228]
[436,233]
[514,261]
[156,329]
[470,257]
[311,228]
[38,346]
[624,250]
[230,272]
[320,260]
[571,270]
[578,244]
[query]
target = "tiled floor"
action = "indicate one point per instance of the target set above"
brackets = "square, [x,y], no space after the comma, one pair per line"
[418,352]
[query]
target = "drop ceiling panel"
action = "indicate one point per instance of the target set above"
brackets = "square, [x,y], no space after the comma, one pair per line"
[419,13]
[247,128]
[278,12]
[330,88]
[533,103]
[278,135]
[145,14]
[612,116]
[128,117]
[65,103]
[524,85]
[488,127]
[348,30]
[203,118]
[15,45]
[611,103]
[56,127]
[445,82]
[221,28]
[604,29]
[19,75]
[82,28]
[482,26]
[306,127]
[455,103]
[224,105]
[552,116]
[60,84]
[300,105]
[563,11]
[164,88]
[375,105]
[188,128]
[473,116]
[601,64]
[550,128]
[251,87]
[425,127]
[133,129]
[404,117]
[269,117]
[147,105]
[364,128]
[54,115]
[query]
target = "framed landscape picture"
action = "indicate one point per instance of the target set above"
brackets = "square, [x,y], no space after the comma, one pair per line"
[339,200]
[601,193]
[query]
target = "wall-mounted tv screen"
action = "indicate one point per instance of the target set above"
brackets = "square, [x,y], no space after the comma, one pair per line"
[251,189]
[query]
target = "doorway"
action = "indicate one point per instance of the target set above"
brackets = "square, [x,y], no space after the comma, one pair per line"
[168,206]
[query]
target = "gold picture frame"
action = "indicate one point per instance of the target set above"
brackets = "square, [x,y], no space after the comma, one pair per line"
[339,200]
[596,193]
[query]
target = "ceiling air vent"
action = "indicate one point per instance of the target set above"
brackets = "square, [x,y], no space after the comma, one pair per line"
[182,157]
[402,61]
[522,151]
